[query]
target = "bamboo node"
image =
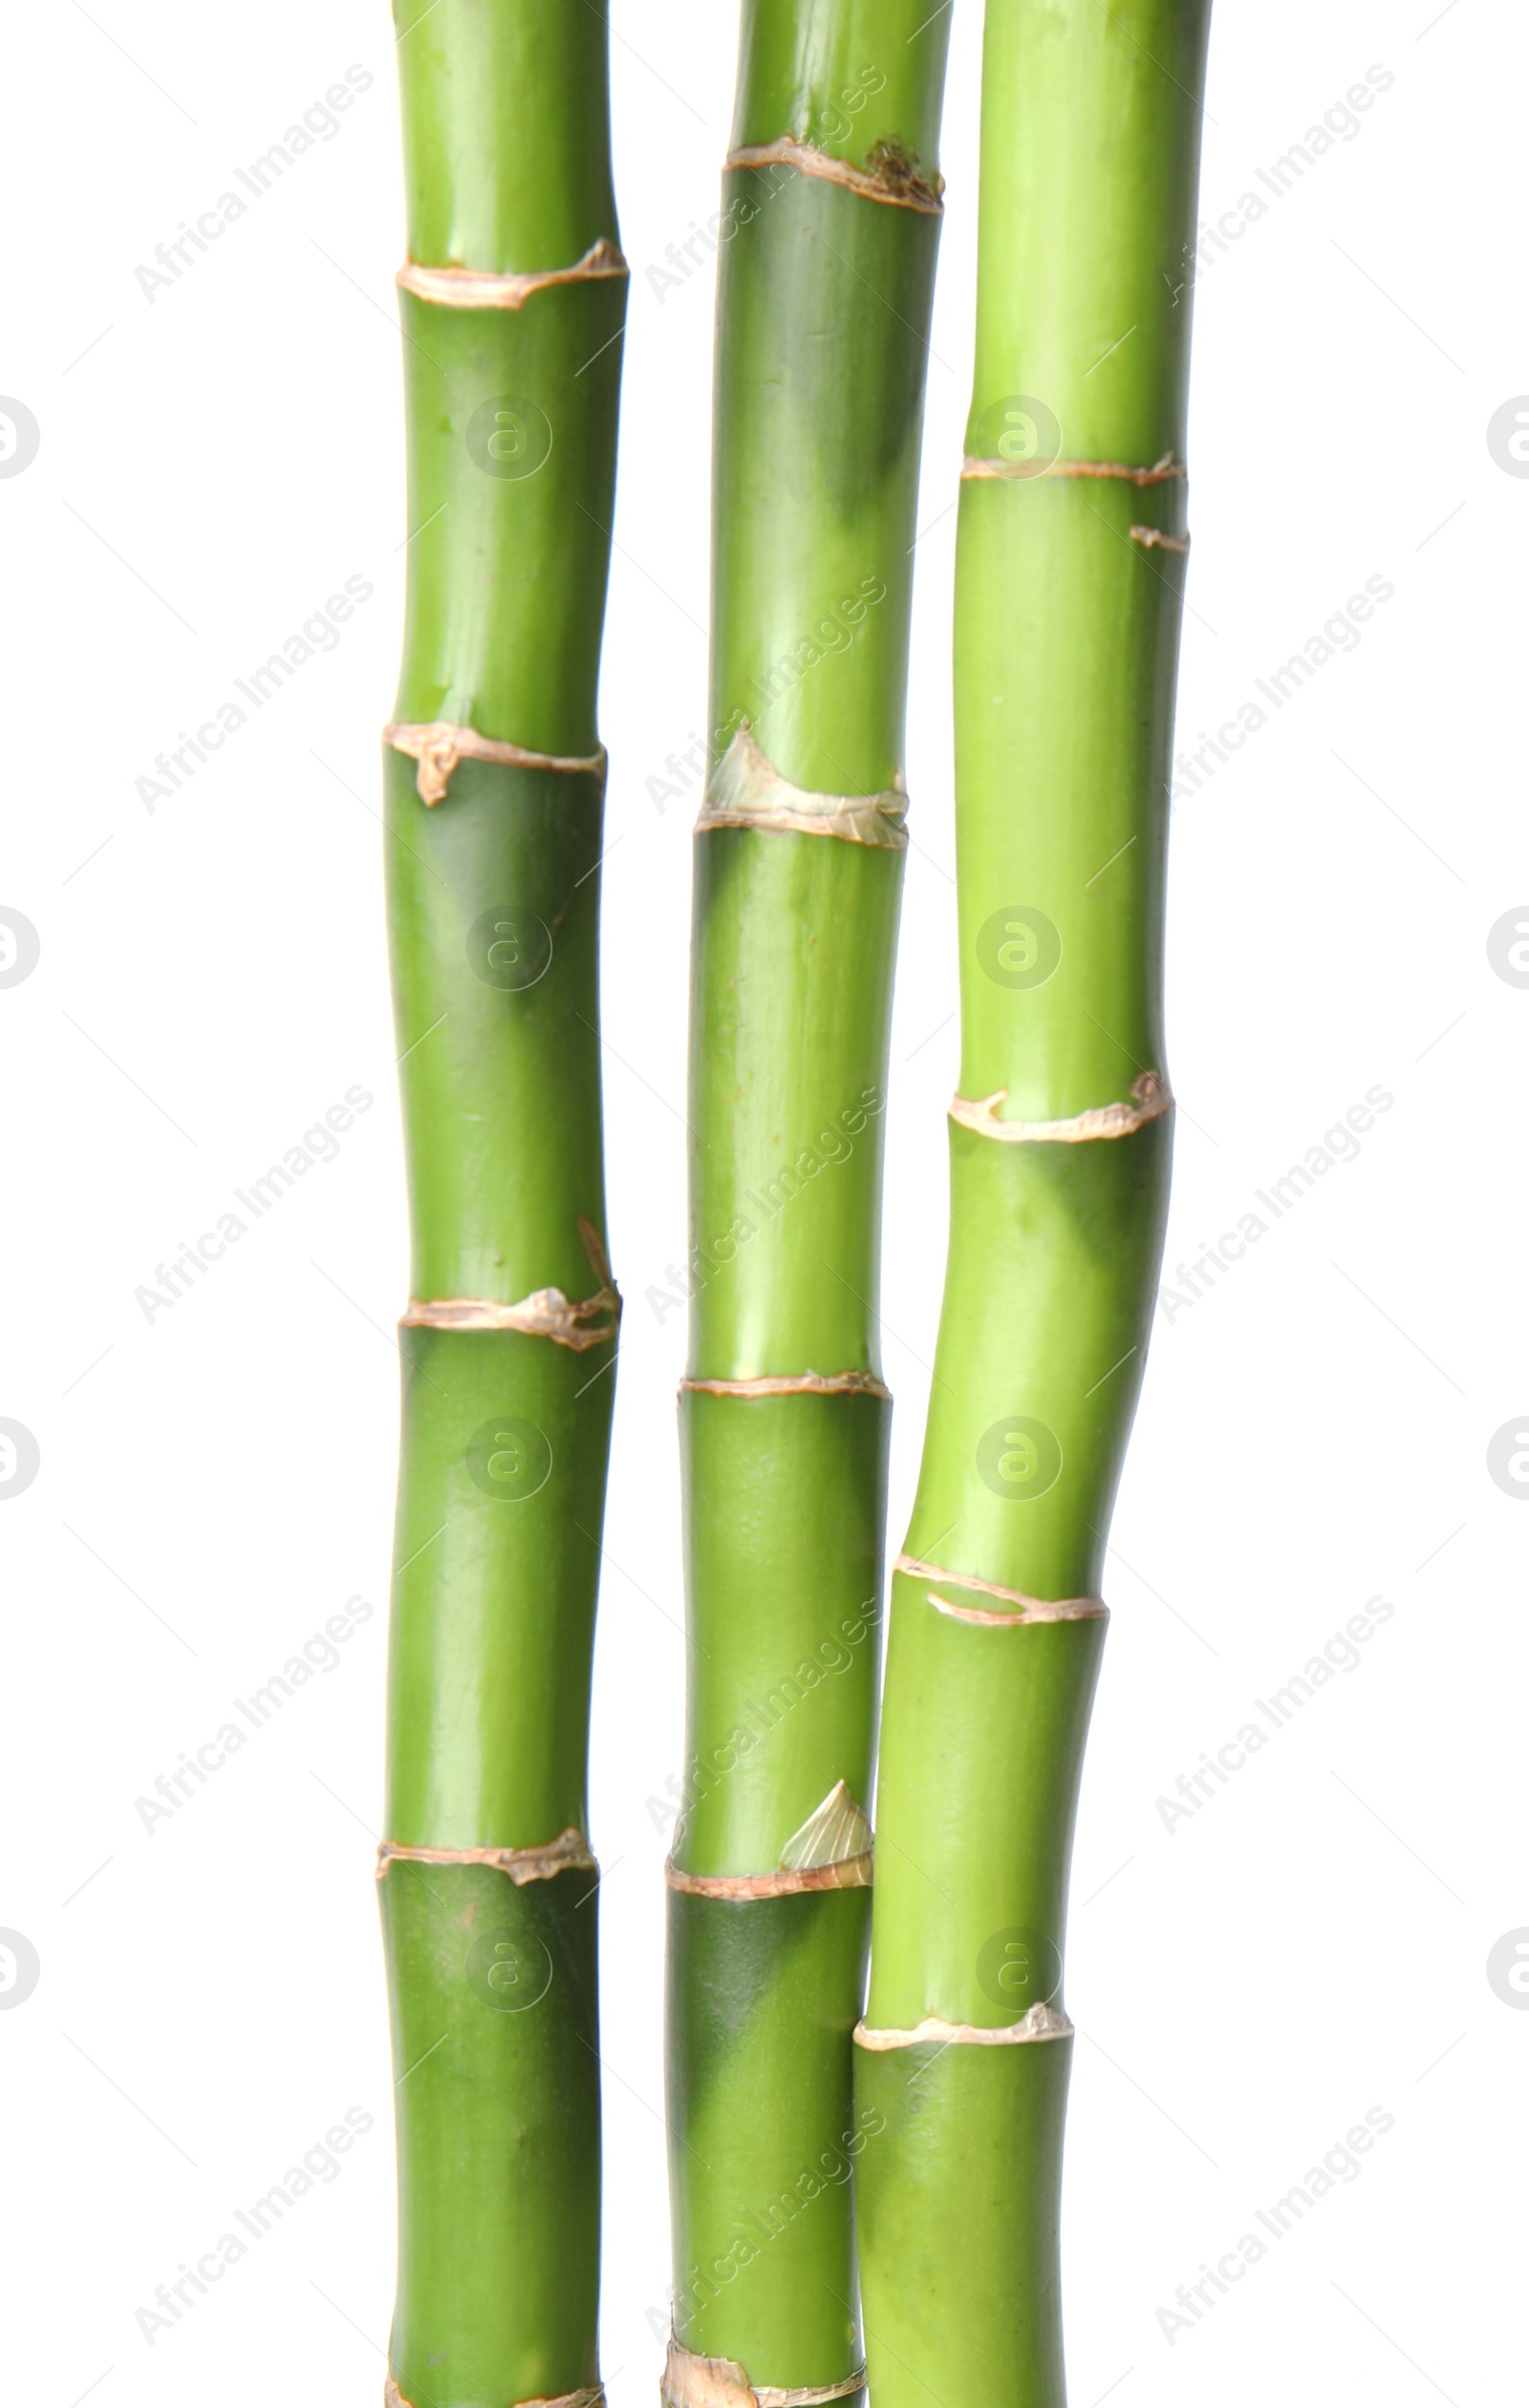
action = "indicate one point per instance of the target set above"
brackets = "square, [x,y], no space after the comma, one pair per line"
[438,746]
[745,790]
[1151,1099]
[894,178]
[592,2395]
[1042,2023]
[1155,535]
[481,289]
[1024,1609]
[567,1853]
[1164,471]
[851,1873]
[807,1383]
[594,1321]
[690,2381]
[832,1851]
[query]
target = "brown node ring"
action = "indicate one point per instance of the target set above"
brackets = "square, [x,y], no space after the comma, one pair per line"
[592,2395]
[895,179]
[746,790]
[567,1853]
[437,745]
[692,2381]
[481,289]
[1021,1607]
[1150,1099]
[1042,2023]
[592,1321]
[1164,471]
[851,1873]
[807,1383]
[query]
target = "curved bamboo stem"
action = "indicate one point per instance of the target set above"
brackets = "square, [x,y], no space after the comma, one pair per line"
[1069,578]
[512,304]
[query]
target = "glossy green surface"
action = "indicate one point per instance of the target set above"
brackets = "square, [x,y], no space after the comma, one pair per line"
[1090,173]
[819,416]
[791,959]
[494,907]
[763,2139]
[784,1526]
[493,902]
[981,1747]
[1066,652]
[958,2193]
[1066,645]
[843,76]
[512,478]
[1043,1341]
[501,1501]
[495,2068]
[823,318]
[507,154]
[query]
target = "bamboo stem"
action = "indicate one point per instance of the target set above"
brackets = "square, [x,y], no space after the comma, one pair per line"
[512,304]
[822,313]
[1070,569]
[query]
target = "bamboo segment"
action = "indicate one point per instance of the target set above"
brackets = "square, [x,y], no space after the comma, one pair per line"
[1070,568]
[831,201]
[512,304]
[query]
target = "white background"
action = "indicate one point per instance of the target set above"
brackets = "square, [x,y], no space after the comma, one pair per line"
[1312,1942]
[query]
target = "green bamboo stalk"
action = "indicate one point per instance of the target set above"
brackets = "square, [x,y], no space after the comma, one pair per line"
[512,304]
[1070,579]
[830,225]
